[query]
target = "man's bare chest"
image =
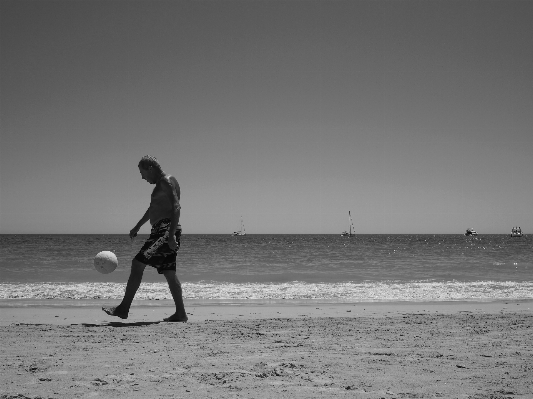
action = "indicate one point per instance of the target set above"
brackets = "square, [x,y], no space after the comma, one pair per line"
[159,196]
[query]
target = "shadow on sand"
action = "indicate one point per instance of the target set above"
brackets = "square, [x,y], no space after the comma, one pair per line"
[120,324]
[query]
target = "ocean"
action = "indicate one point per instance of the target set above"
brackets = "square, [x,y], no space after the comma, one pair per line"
[263,268]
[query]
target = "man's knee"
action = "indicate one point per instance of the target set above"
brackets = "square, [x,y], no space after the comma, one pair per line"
[171,276]
[137,266]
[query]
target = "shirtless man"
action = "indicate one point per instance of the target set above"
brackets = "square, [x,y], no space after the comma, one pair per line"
[160,248]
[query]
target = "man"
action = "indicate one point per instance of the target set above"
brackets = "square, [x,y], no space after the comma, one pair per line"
[161,247]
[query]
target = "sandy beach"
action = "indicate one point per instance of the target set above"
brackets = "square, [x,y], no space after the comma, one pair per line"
[365,350]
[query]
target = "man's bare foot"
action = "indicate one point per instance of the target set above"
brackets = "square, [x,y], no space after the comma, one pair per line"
[112,311]
[176,319]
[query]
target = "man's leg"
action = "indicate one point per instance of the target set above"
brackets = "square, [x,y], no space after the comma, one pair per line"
[175,289]
[134,282]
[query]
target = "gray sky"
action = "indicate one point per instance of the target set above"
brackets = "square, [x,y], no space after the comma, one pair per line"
[416,116]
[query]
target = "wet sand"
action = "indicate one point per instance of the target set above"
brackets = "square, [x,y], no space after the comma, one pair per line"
[376,350]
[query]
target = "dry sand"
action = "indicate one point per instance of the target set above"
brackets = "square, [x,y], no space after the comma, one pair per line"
[394,350]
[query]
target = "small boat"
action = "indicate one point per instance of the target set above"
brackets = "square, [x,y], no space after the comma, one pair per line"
[350,227]
[470,232]
[242,231]
[516,232]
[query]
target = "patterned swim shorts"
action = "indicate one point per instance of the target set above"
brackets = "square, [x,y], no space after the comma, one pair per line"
[156,252]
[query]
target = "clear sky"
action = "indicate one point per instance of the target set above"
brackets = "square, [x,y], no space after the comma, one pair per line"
[416,116]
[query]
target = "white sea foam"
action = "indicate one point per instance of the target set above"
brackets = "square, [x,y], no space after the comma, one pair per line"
[348,291]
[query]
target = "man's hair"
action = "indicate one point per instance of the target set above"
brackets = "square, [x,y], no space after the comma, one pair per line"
[148,161]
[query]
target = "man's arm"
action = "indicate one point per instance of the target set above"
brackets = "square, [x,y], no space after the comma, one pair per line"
[170,191]
[143,220]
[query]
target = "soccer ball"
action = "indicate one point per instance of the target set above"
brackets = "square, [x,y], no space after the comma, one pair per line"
[105,262]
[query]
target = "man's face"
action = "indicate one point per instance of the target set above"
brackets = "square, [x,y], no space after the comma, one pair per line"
[147,174]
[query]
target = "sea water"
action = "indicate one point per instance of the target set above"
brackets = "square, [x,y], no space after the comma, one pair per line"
[260,268]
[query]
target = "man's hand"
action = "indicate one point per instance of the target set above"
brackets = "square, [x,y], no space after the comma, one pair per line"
[133,232]
[172,243]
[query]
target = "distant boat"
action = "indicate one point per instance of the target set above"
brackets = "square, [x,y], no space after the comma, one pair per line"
[242,231]
[470,232]
[349,233]
[516,232]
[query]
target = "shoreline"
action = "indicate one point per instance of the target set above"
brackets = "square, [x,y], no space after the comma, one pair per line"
[70,312]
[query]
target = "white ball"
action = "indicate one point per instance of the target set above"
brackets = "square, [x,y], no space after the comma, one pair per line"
[105,262]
